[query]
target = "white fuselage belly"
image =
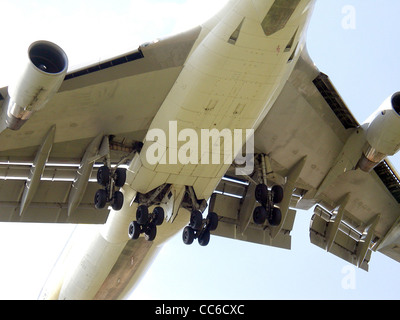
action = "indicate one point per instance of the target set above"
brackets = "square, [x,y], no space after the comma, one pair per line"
[230,81]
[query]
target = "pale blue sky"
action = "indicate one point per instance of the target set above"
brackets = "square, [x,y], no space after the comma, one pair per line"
[363,65]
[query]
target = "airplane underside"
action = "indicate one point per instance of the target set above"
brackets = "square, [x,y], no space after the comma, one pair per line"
[185,134]
[212,92]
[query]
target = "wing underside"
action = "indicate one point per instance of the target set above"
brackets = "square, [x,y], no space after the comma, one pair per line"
[116,98]
[303,139]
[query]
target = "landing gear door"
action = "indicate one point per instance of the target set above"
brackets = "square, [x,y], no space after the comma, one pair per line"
[172,202]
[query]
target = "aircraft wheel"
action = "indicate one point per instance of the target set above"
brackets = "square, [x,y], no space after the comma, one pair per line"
[118,201]
[196,219]
[261,193]
[159,216]
[212,218]
[150,232]
[259,215]
[188,235]
[100,199]
[142,214]
[204,239]
[275,217]
[103,176]
[277,194]
[120,177]
[134,230]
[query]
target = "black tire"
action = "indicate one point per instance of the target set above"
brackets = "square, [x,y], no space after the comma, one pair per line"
[188,235]
[158,215]
[213,221]
[261,193]
[275,217]
[120,177]
[196,219]
[204,239]
[100,199]
[134,230]
[103,176]
[150,232]
[118,201]
[259,215]
[277,194]
[142,214]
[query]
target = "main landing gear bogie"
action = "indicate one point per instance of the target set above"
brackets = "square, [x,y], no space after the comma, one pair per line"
[267,210]
[109,194]
[200,228]
[146,223]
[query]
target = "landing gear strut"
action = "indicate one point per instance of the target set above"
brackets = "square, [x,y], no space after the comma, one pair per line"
[110,181]
[268,199]
[146,223]
[200,228]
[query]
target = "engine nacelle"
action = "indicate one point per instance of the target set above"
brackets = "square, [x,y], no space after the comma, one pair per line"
[41,77]
[382,133]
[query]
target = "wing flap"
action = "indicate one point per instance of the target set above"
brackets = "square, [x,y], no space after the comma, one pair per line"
[50,204]
[345,244]
[230,229]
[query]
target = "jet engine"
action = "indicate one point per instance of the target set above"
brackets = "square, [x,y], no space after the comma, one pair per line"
[41,77]
[382,133]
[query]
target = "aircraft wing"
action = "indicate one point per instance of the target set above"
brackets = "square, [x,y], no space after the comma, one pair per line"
[306,141]
[119,96]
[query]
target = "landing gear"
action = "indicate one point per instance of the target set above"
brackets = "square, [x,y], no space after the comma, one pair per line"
[146,223]
[268,199]
[200,228]
[188,235]
[110,181]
